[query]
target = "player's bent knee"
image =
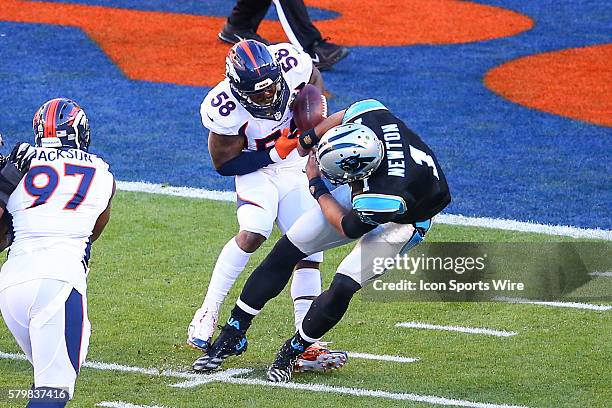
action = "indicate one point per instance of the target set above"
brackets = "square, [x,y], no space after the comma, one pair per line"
[249,241]
[344,287]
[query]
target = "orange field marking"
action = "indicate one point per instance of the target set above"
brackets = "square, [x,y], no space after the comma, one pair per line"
[183,49]
[576,83]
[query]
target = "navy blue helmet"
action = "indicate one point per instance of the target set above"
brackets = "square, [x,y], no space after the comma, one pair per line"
[61,122]
[256,80]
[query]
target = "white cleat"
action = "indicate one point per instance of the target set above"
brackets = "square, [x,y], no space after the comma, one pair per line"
[319,358]
[202,328]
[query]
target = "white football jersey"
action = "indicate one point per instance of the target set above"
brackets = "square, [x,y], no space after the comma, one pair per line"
[55,207]
[223,114]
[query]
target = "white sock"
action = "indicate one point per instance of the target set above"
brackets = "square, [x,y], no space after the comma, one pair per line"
[305,286]
[230,264]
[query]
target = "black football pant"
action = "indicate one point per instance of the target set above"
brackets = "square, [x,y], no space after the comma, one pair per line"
[247,14]
[269,279]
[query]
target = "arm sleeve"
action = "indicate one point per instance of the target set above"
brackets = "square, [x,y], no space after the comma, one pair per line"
[245,163]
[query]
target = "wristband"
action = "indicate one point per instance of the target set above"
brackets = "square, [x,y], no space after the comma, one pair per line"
[317,187]
[308,139]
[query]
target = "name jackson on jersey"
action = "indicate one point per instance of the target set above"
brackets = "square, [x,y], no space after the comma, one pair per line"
[50,155]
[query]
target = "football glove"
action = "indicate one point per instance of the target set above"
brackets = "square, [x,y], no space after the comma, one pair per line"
[285,144]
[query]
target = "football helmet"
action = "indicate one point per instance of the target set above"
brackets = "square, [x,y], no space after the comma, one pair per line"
[349,152]
[61,122]
[256,80]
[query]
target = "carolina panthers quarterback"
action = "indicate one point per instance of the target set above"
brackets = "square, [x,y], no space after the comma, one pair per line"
[252,137]
[57,209]
[390,185]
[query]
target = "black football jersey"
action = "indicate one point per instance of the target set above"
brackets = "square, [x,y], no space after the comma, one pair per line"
[409,172]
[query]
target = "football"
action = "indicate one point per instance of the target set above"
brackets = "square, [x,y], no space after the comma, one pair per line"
[309,107]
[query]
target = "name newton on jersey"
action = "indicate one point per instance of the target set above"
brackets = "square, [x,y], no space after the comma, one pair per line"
[395,150]
[54,154]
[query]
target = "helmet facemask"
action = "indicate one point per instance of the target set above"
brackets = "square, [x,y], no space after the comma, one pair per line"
[256,80]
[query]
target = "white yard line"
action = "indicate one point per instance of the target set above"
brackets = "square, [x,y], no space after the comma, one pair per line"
[602,274]
[461,329]
[227,376]
[572,305]
[201,379]
[121,404]
[189,192]
[449,219]
[382,357]
[370,393]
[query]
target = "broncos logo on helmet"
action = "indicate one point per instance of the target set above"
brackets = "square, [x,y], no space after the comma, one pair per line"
[256,80]
[61,122]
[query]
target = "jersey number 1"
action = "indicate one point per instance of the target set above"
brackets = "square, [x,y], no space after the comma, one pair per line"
[420,157]
[44,192]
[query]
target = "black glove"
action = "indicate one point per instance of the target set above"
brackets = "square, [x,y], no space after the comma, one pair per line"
[14,167]
[308,139]
[21,156]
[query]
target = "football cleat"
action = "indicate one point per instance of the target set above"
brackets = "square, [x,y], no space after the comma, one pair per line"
[281,369]
[231,342]
[202,328]
[232,35]
[325,54]
[318,357]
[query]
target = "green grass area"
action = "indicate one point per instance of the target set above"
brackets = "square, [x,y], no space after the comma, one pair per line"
[149,272]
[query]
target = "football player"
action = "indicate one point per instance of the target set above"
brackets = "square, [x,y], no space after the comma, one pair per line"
[390,186]
[58,209]
[250,121]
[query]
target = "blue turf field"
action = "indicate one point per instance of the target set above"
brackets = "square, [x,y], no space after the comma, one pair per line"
[501,159]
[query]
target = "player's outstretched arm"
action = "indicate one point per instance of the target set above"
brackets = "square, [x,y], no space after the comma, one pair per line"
[332,210]
[229,158]
[223,148]
[310,138]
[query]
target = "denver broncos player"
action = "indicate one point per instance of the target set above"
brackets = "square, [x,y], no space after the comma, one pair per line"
[250,122]
[58,209]
[390,186]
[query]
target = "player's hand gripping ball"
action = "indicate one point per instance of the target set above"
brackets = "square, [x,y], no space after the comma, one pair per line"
[309,107]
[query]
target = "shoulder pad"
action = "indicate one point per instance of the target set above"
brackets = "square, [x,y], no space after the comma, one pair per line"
[226,117]
[361,107]
[296,65]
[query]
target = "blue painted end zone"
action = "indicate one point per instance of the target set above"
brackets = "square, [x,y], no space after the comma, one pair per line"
[501,159]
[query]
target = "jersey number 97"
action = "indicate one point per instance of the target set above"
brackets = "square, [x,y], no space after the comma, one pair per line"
[43,192]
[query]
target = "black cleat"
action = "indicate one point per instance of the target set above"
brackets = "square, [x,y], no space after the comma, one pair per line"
[325,54]
[232,35]
[231,342]
[282,367]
